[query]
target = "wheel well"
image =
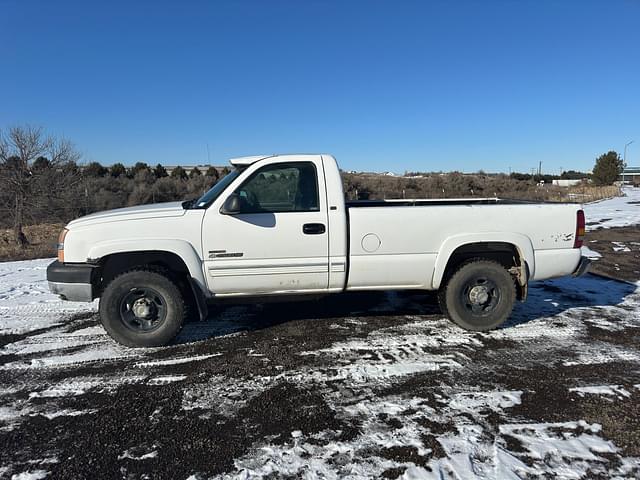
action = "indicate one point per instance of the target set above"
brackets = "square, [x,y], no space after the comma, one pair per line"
[506,254]
[113,265]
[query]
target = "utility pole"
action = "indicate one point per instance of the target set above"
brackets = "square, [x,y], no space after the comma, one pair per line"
[539,167]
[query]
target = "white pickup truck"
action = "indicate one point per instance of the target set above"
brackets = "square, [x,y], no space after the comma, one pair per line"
[279,225]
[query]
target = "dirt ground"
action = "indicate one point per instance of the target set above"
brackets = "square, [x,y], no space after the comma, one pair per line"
[620,250]
[369,385]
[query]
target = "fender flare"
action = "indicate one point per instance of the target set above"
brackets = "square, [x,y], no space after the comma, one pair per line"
[181,248]
[522,243]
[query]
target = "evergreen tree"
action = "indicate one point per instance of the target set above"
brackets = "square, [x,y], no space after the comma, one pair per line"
[94,169]
[179,173]
[117,170]
[138,167]
[41,163]
[160,172]
[212,172]
[608,168]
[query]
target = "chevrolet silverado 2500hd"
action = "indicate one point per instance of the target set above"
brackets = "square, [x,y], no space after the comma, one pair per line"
[279,225]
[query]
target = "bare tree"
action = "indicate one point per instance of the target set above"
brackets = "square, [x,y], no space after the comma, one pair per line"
[22,150]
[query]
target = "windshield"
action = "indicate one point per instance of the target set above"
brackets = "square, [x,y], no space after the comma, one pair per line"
[215,191]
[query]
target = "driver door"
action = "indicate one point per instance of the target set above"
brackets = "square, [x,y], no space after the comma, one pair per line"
[278,241]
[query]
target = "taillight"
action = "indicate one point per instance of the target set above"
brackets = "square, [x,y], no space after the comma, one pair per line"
[63,234]
[580,230]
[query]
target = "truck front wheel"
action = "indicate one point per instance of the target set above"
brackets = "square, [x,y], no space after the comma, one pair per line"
[479,296]
[142,308]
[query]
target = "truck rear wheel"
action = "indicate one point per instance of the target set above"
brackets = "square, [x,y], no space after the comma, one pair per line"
[479,296]
[142,308]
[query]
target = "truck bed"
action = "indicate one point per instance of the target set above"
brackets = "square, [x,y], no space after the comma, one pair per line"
[400,246]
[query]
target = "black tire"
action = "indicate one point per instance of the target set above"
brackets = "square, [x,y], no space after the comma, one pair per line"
[479,296]
[142,308]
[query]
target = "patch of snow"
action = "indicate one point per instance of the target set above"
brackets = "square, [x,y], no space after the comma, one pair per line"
[176,361]
[566,450]
[620,247]
[561,440]
[66,389]
[607,355]
[224,394]
[164,379]
[25,300]
[493,400]
[392,352]
[67,413]
[10,413]
[48,342]
[614,212]
[336,326]
[30,475]
[130,454]
[614,390]
[105,352]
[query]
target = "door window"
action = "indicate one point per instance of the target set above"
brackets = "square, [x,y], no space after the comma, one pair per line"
[281,187]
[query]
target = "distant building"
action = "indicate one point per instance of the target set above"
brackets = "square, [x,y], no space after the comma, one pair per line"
[630,175]
[562,182]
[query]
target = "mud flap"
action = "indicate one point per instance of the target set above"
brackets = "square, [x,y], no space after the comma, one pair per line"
[201,302]
[521,276]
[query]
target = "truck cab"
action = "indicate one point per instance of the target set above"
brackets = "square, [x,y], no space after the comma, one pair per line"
[282,229]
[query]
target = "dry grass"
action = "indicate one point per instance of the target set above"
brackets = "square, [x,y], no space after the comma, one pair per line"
[457,185]
[583,193]
[42,239]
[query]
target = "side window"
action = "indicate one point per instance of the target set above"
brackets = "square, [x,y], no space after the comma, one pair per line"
[281,187]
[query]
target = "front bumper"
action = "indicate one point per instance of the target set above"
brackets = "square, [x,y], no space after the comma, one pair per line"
[72,281]
[583,267]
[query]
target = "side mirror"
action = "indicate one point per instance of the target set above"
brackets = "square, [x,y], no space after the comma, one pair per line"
[231,205]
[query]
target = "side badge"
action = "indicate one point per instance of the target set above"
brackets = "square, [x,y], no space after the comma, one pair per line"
[224,254]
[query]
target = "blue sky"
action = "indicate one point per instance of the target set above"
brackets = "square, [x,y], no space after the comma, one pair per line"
[382,85]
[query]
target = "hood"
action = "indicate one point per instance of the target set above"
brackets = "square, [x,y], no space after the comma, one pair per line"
[154,210]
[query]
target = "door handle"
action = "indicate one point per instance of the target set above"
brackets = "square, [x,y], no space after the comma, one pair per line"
[313,228]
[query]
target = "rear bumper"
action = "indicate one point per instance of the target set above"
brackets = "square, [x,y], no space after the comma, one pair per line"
[583,267]
[72,281]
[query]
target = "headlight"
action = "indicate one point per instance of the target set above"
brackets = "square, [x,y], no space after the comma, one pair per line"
[63,234]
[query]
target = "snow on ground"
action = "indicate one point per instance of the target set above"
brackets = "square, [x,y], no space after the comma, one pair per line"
[614,212]
[27,306]
[25,301]
[422,398]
